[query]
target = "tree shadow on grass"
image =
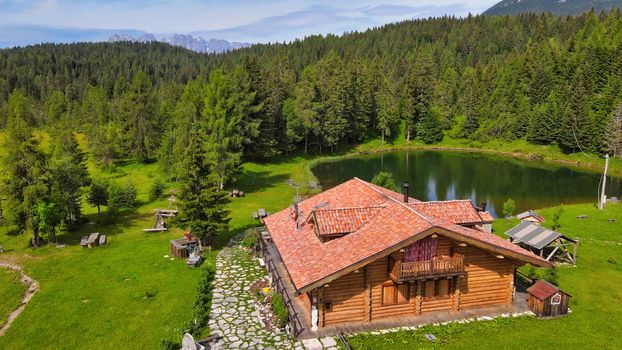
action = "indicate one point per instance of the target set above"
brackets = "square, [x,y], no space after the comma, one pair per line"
[221,241]
[254,181]
[109,224]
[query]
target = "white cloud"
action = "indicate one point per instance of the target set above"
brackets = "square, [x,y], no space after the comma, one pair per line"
[248,20]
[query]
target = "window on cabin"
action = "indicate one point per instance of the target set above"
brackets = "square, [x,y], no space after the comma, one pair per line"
[436,289]
[395,294]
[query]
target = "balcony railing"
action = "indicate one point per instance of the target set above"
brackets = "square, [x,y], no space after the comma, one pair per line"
[420,270]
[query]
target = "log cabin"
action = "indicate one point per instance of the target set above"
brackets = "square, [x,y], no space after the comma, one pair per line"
[360,253]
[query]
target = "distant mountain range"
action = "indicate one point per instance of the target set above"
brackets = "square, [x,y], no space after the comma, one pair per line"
[187,41]
[558,7]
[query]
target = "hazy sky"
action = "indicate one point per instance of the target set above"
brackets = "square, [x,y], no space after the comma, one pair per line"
[242,20]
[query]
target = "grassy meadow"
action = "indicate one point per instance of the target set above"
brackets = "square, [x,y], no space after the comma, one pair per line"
[127,295]
[593,284]
[11,292]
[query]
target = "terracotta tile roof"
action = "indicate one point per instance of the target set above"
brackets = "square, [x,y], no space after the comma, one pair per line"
[461,212]
[341,221]
[390,226]
[542,289]
[486,217]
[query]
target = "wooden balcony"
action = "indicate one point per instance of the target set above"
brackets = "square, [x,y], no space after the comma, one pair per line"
[422,270]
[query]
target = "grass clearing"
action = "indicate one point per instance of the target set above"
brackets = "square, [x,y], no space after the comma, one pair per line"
[593,284]
[128,296]
[11,293]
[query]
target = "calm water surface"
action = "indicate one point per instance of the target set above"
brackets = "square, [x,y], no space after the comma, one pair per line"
[435,175]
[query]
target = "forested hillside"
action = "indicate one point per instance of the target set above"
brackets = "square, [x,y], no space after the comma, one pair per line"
[557,7]
[546,79]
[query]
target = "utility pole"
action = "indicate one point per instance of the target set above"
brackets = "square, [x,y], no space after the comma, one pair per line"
[603,196]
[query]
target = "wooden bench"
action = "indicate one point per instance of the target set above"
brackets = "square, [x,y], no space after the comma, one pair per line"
[83,241]
[102,240]
[579,217]
[262,213]
[255,215]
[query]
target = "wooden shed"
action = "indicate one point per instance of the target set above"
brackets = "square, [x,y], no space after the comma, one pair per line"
[546,300]
[179,247]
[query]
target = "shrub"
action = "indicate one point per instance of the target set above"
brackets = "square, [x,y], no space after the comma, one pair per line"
[550,275]
[556,216]
[166,344]
[203,300]
[121,196]
[508,207]
[251,238]
[157,190]
[279,309]
[385,179]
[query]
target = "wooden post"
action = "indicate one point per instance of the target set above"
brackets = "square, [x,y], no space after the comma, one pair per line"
[419,297]
[512,286]
[367,294]
[320,299]
[457,293]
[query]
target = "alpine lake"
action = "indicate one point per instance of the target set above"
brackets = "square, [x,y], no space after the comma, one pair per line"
[447,175]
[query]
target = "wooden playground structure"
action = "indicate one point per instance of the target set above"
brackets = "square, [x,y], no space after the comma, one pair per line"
[171,210]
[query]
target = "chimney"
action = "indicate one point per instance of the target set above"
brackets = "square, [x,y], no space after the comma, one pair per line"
[484,204]
[406,187]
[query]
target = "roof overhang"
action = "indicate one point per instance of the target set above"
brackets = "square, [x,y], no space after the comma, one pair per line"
[521,258]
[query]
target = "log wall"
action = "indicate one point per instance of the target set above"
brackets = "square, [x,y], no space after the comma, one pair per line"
[347,298]
[489,280]
[378,277]
[358,296]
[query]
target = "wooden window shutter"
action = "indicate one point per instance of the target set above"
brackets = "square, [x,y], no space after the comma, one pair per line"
[443,288]
[403,291]
[430,289]
[389,295]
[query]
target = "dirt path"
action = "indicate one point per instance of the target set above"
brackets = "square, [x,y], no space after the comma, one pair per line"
[33,287]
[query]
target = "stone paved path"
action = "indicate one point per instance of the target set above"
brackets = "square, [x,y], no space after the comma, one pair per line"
[233,312]
[33,287]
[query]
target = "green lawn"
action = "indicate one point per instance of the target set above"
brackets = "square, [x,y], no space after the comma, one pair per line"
[10,294]
[126,295]
[593,284]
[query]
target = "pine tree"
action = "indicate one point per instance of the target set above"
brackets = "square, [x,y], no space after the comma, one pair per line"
[140,124]
[613,136]
[26,184]
[417,93]
[576,126]
[387,109]
[69,175]
[305,109]
[429,128]
[223,143]
[202,203]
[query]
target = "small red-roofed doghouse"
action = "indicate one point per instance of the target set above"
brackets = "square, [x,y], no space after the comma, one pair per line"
[546,300]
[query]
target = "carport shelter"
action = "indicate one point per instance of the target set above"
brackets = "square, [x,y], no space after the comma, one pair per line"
[543,241]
